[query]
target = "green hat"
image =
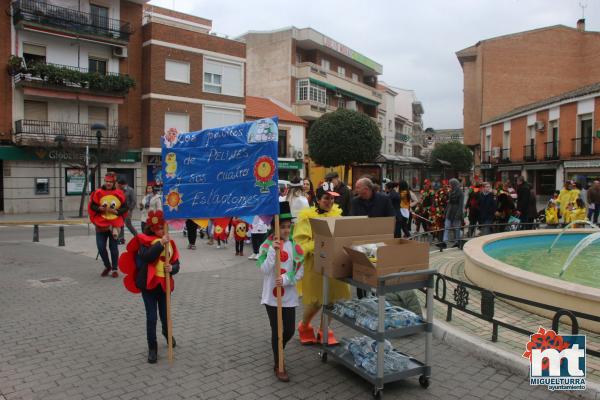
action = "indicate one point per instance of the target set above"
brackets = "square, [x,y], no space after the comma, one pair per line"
[284,211]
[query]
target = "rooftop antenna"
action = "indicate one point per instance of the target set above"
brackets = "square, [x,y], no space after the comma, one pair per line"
[583,6]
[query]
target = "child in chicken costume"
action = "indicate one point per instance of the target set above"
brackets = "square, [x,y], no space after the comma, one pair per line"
[144,265]
[240,234]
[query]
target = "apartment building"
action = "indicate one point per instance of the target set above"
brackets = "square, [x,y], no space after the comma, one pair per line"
[72,64]
[192,80]
[506,72]
[548,141]
[291,149]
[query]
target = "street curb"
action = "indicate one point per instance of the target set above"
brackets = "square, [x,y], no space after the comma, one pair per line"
[496,357]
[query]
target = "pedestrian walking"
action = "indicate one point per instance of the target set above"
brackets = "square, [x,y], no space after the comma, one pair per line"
[130,199]
[292,271]
[240,232]
[192,233]
[593,200]
[106,209]
[487,208]
[453,217]
[145,264]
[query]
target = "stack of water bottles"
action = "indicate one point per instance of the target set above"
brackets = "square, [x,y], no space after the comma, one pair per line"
[364,351]
[364,312]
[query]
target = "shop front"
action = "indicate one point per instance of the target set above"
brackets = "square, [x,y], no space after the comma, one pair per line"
[290,169]
[582,171]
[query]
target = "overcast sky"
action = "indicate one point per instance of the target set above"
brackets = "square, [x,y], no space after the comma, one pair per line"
[415,41]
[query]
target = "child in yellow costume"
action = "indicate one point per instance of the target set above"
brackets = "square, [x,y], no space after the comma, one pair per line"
[579,212]
[312,286]
[551,215]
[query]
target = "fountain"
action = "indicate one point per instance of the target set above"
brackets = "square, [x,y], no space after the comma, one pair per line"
[569,226]
[585,242]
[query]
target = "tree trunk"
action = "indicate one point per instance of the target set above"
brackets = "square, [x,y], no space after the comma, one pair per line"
[346,173]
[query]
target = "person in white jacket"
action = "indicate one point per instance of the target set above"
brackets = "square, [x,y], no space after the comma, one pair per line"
[296,197]
[292,270]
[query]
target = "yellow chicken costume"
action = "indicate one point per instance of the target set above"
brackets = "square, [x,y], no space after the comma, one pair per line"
[551,216]
[566,198]
[312,287]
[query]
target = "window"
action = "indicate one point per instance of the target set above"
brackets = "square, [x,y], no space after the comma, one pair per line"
[585,135]
[215,117]
[178,121]
[98,115]
[33,54]
[325,64]
[179,71]
[341,102]
[355,77]
[307,91]
[42,185]
[212,83]
[282,144]
[298,58]
[223,77]
[35,111]
[341,71]
[97,65]
[506,140]
[99,16]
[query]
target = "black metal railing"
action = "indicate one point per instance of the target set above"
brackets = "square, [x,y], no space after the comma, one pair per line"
[583,146]
[486,157]
[34,132]
[552,150]
[481,303]
[505,155]
[43,13]
[66,76]
[529,152]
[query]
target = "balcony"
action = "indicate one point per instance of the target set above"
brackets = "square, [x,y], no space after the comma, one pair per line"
[504,156]
[64,77]
[551,151]
[44,15]
[583,146]
[38,133]
[311,110]
[529,152]
[359,91]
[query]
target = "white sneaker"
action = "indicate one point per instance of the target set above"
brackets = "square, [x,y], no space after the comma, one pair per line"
[218,246]
[252,257]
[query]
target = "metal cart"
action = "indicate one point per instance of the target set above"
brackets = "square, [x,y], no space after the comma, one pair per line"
[422,279]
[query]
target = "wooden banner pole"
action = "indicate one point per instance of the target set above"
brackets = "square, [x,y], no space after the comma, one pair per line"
[168,297]
[279,303]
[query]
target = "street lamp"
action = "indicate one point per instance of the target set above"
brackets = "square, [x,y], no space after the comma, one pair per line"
[98,128]
[60,139]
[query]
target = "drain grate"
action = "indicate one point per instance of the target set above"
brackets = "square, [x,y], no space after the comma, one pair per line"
[51,282]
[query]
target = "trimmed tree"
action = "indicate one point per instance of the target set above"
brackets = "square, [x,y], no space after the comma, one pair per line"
[343,137]
[457,154]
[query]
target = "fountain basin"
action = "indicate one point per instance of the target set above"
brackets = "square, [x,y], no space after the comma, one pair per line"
[491,273]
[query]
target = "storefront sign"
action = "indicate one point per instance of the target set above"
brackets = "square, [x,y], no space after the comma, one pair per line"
[485,166]
[75,179]
[582,164]
[290,164]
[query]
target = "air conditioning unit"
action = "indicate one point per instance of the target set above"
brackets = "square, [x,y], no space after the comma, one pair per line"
[120,52]
[496,152]
[298,154]
[539,126]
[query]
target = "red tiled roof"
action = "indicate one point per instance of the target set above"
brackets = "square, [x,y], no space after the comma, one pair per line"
[259,107]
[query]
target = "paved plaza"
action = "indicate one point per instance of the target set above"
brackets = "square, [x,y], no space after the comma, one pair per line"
[67,333]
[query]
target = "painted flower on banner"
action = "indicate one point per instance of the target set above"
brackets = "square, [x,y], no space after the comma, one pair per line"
[264,170]
[173,199]
[545,339]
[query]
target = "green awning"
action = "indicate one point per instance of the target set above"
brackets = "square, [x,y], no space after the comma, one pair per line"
[354,96]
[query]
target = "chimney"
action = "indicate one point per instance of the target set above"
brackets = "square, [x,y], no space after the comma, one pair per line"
[581,25]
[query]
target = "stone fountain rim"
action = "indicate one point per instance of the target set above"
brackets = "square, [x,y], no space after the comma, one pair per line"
[473,251]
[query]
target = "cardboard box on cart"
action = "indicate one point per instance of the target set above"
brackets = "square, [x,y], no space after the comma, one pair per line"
[398,255]
[332,234]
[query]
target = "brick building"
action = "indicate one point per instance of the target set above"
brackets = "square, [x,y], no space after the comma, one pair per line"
[192,80]
[136,69]
[72,64]
[312,74]
[507,72]
[548,141]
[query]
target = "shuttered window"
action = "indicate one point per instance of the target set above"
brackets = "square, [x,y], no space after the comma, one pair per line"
[228,76]
[33,54]
[177,71]
[98,115]
[214,117]
[179,121]
[35,110]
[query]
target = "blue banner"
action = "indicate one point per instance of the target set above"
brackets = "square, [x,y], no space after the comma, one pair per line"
[221,172]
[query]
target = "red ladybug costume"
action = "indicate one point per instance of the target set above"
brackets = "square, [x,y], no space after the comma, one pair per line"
[110,199]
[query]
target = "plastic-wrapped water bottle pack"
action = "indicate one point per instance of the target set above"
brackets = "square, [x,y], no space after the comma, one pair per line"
[365,310]
[364,351]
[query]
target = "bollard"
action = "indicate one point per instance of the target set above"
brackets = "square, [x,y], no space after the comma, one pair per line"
[36,233]
[61,236]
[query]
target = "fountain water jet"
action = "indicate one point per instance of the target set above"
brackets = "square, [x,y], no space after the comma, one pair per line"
[585,242]
[569,226]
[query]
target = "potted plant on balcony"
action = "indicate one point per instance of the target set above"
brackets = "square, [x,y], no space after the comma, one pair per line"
[15,65]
